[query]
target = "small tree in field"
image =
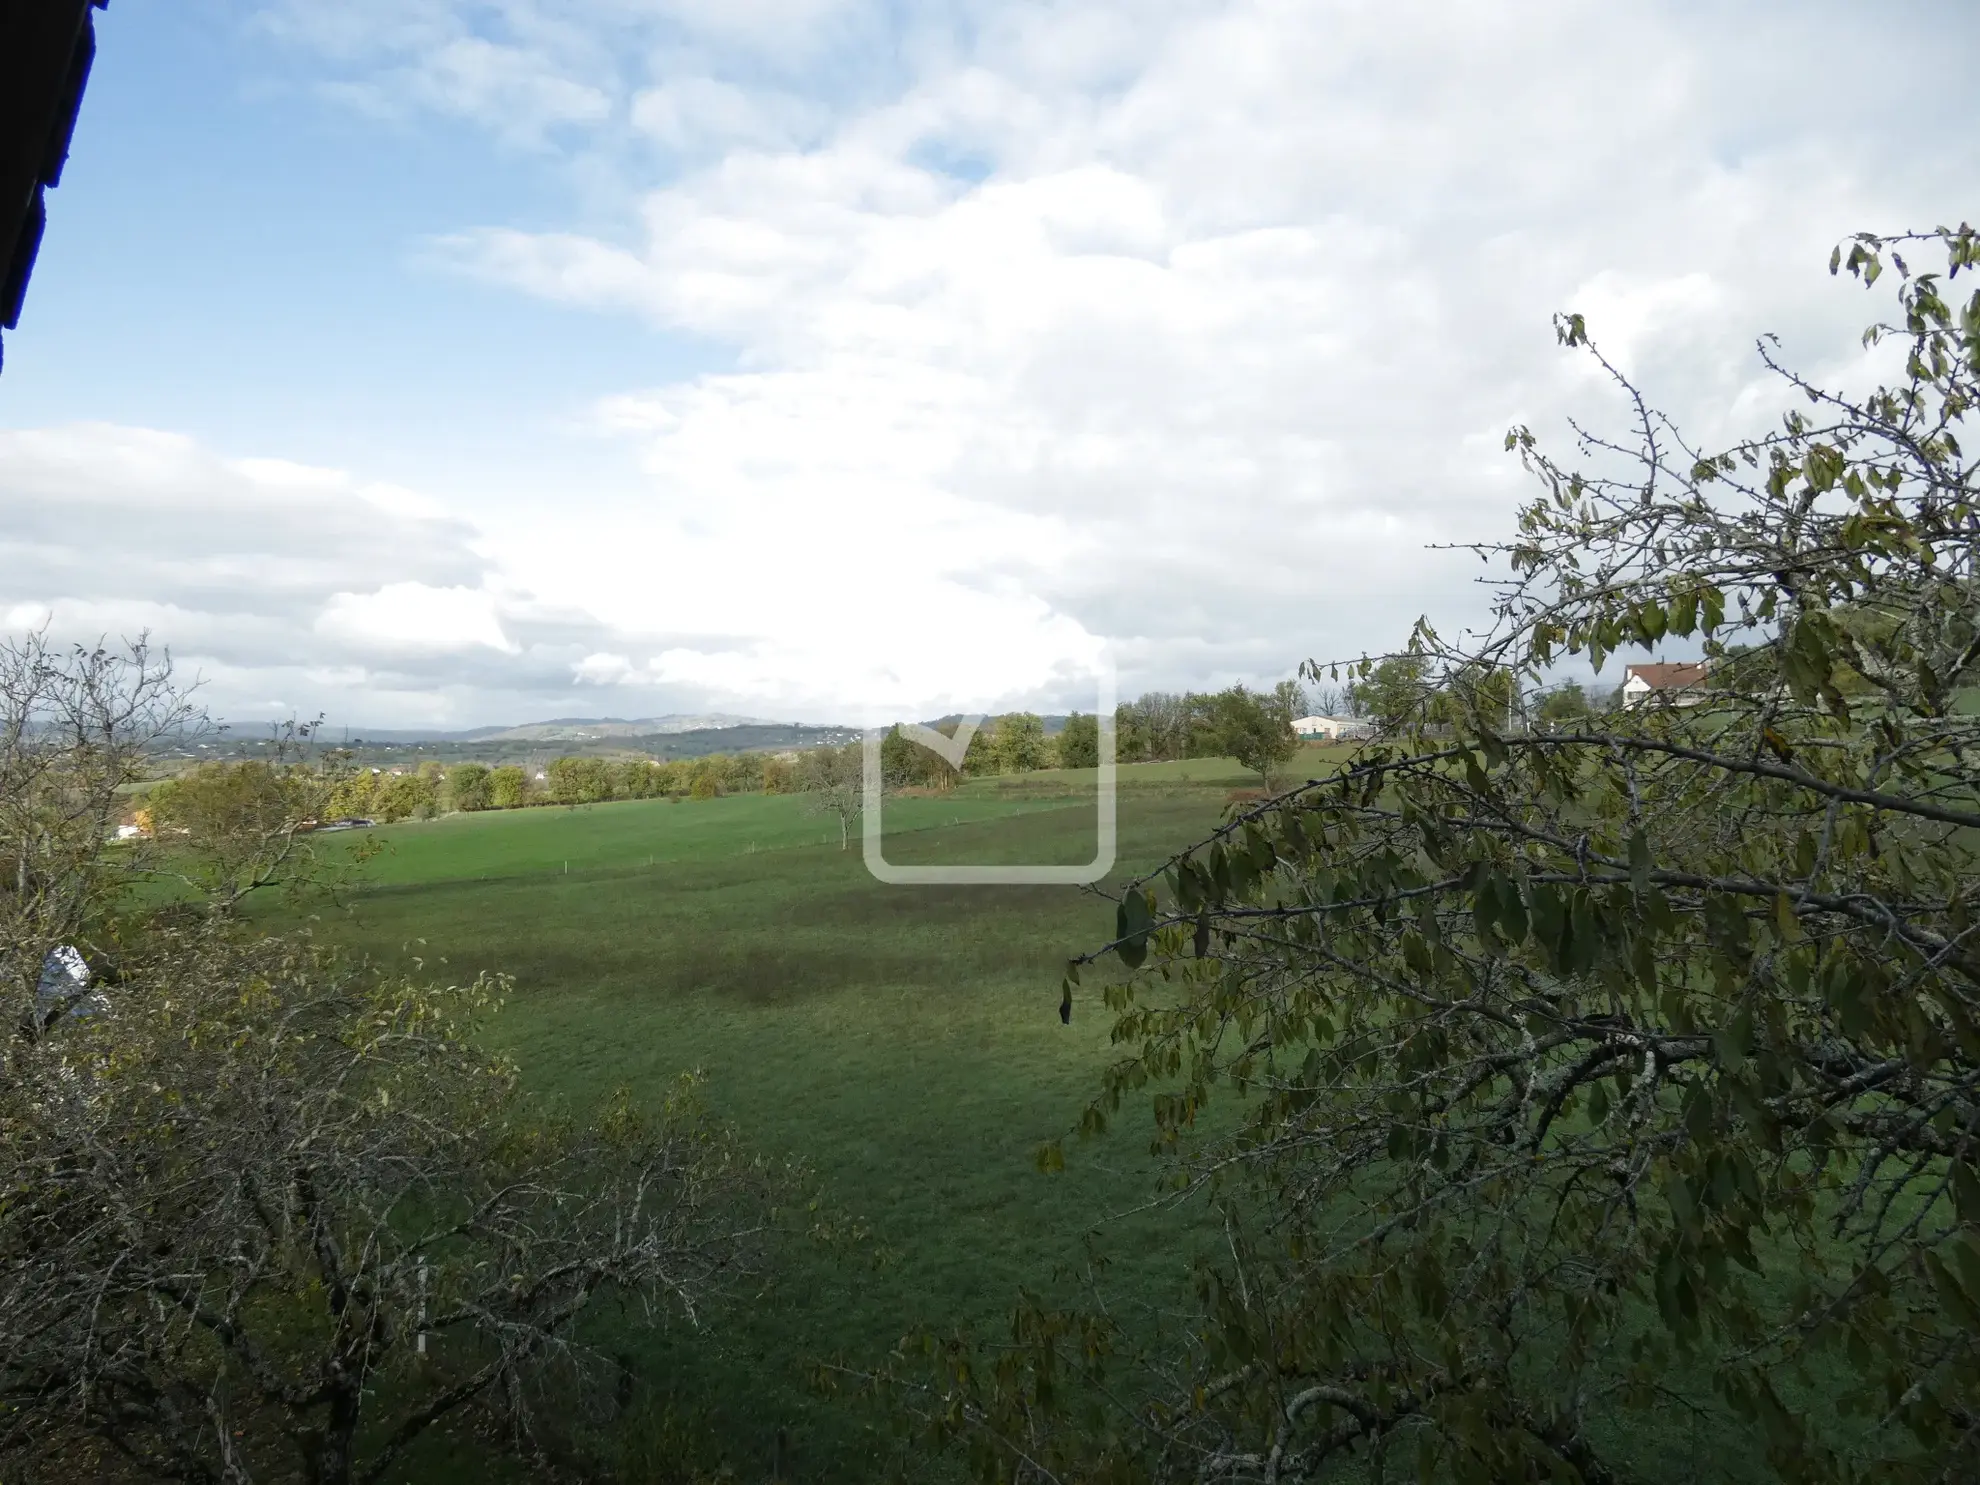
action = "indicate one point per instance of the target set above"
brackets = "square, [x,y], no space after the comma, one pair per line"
[1256,730]
[836,781]
[1565,704]
[229,831]
[1021,744]
[508,787]
[407,796]
[75,728]
[1393,692]
[1605,1075]
[1079,743]
[467,786]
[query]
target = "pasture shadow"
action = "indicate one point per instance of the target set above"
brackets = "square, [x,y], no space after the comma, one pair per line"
[762,971]
[876,905]
[756,975]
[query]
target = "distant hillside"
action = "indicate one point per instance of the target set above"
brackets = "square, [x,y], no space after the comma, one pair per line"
[582,729]
[1054,723]
[531,746]
[535,743]
[556,729]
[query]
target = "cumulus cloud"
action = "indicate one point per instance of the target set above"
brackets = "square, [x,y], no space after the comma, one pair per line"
[170,523]
[1182,328]
[1220,319]
[698,115]
[602,669]
[285,587]
[416,616]
[528,77]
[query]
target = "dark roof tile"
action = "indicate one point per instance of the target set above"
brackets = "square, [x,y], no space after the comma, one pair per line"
[46,47]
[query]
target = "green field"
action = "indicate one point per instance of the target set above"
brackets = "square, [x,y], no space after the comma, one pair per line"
[904,1042]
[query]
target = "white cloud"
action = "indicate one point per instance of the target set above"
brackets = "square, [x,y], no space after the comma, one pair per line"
[1221,330]
[415,616]
[535,73]
[1634,313]
[697,115]
[270,578]
[481,80]
[1182,325]
[169,521]
[602,669]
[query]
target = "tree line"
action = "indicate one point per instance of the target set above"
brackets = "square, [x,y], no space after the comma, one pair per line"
[1253,726]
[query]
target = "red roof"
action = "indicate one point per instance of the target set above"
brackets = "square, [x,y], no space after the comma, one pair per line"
[1664,676]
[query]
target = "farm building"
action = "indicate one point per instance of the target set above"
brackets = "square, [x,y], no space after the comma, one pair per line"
[1680,683]
[1331,729]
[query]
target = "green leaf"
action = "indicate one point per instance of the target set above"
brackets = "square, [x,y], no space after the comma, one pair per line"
[1131,924]
[1220,872]
[1966,1193]
[1485,905]
[1511,911]
[1258,846]
[1684,613]
[1952,1292]
[1843,989]
[1598,1101]
[1548,916]
[1822,467]
[1416,954]
[1189,886]
[1669,1274]
[1683,1208]
[1715,609]
[1735,1039]
[1726,926]
[1474,775]
[1786,924]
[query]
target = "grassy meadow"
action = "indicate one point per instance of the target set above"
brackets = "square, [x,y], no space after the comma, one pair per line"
[903,1042]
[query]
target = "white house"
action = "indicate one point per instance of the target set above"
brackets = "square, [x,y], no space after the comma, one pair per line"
[1681,683]
[1330,729]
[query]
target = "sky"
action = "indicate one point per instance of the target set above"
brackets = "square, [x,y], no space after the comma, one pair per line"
[441,363]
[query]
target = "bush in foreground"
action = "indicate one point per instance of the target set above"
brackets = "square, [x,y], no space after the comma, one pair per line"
[265,1214]
[1603,1076]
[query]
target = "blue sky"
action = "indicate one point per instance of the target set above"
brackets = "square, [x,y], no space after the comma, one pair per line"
[435,362]
[238,257]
